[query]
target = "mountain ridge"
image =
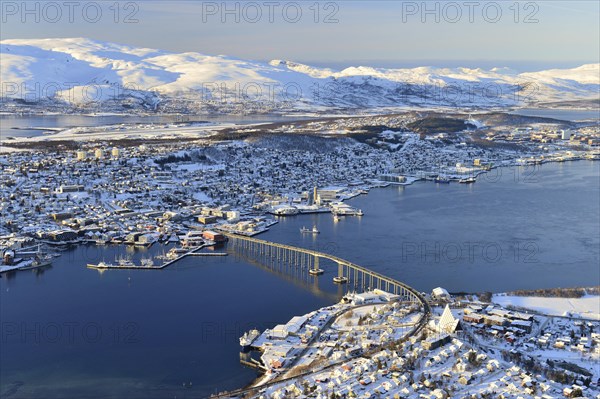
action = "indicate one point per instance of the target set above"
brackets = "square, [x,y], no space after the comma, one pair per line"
[62,71]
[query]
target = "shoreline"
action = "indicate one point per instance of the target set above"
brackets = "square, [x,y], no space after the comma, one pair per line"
[315,113]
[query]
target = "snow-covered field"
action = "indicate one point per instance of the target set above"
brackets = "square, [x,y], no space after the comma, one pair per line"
[586,307]
[6,150]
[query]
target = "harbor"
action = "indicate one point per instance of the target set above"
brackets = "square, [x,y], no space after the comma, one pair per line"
[147,264]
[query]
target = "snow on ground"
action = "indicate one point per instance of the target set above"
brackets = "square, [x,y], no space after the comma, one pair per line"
[6,150]
[199,196]
[586,307]
[193,167]
[350,318]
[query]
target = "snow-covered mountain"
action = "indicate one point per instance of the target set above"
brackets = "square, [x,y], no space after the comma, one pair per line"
[80,71]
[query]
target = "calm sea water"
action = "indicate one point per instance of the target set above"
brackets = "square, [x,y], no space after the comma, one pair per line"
[70,331]
[563,114]
[516,228]
[73,332]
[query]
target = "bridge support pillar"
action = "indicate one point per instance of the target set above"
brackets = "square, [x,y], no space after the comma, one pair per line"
[315,271]
[340,279]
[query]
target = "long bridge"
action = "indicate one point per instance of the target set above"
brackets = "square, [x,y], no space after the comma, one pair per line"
[310,260]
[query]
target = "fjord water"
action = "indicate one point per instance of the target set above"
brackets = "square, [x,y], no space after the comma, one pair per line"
[566,114]
[73,332]
[69,331]
[516,228]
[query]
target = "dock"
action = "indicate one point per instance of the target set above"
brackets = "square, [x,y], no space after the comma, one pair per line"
[192,252]
[6,269]
[207,254]
[254,364]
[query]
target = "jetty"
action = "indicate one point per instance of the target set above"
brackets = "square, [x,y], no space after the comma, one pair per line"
[129,266]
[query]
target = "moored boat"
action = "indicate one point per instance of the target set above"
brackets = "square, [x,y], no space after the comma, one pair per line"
[100,265]
[248,338]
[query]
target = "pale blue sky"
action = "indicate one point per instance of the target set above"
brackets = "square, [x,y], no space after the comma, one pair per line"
[381,33]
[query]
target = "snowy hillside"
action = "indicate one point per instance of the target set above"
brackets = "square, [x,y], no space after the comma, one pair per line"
[81,71]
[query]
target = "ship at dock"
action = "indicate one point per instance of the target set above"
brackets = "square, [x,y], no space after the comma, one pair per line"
[121,261]
[101,265]
[23,259]
[286,211]
[248,338]
[343,209]
[468,180]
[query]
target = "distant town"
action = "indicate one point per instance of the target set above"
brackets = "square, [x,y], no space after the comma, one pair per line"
[82,186]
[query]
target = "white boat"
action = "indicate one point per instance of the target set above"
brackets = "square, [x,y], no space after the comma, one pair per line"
[467,180]
[122,261]
[249,337]
[147,262]
[176,252]
[101,241]
[343,209]
[314,230]
[286,211]
[101,265]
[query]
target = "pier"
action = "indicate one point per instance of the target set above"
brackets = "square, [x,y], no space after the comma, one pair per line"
[192,252]
[308,260]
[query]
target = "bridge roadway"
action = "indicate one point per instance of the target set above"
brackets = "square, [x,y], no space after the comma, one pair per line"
[310,258]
